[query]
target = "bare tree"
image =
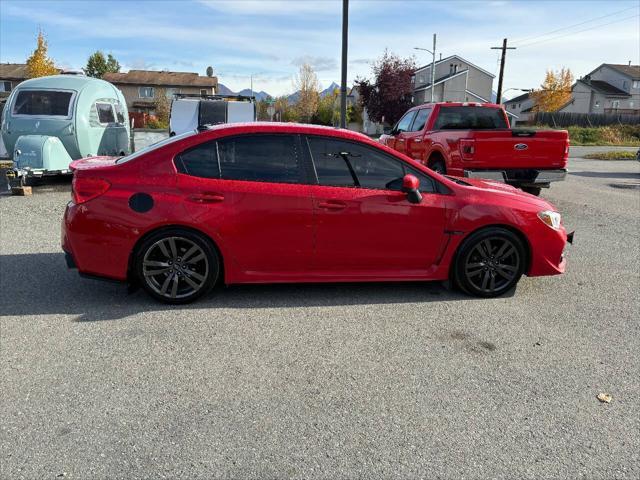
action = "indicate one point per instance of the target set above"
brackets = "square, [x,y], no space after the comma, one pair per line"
[307,87]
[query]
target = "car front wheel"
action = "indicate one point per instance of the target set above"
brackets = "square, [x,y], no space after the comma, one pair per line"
[490,262]
[177,266]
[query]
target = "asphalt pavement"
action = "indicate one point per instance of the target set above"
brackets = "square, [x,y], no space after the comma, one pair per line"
[327,381]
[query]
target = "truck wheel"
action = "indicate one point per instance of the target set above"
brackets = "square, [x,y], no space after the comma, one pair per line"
[439,167]
[532,190]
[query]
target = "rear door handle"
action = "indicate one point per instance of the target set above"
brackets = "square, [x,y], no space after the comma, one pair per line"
[417,140]
[207,198]
[333,205]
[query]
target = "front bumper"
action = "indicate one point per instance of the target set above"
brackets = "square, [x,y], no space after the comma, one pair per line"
[520,177]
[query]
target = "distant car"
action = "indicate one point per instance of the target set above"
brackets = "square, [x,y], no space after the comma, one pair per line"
[266,202]
[189,112]
[468,139]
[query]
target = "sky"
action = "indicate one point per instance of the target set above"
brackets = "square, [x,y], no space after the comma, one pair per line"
[269,40]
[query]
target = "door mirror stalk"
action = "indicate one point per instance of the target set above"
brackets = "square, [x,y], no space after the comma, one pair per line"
[411,186]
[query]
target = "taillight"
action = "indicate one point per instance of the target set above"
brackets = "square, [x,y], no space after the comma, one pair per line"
[84,189]
[467,148]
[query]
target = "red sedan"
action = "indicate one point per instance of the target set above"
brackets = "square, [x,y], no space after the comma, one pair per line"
[265,202]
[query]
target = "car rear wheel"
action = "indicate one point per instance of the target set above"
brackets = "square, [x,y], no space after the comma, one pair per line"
[177,266]
[490,262]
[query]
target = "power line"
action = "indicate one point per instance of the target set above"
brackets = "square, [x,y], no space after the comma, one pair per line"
[578,31]
[532,37]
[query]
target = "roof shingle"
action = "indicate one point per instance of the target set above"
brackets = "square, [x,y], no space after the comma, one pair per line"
[632,71]
[164,78]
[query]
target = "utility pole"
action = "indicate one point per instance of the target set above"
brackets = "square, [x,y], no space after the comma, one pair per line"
[343,83]
[504,49]
[433,64]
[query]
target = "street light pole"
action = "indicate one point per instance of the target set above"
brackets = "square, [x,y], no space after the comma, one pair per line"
[433,65]
[343,82]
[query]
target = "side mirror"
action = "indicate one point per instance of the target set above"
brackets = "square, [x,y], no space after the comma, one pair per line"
[411,186]
[387,130]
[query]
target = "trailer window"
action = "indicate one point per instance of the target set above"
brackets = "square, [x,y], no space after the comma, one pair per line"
[119,113]
[43,102]
[470,118]
[105,112]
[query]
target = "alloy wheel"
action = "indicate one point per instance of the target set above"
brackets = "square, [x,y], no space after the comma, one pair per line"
[492,264]
[175,267]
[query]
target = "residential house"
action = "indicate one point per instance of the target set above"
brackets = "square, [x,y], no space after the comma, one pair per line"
[456,80]
[520,108]
[610,88]
[141,88]
[368,127]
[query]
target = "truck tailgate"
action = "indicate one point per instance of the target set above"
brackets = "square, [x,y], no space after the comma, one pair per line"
[519,149]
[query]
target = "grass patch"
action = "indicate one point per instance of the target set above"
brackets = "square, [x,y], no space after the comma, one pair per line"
[615,155]
[614,135]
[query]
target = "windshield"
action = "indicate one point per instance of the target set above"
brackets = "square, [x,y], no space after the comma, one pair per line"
[155,146]
[43,103]
[470,118]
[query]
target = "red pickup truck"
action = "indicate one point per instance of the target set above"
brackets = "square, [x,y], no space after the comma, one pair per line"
[475,140]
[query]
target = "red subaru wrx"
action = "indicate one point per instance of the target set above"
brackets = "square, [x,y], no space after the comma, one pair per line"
[265,202]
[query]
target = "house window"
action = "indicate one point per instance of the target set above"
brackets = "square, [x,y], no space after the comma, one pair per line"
[203,92]
[597,105]
[636,84]
[5,86]
[615,103]
[625,85]
[170,92]
[146,92]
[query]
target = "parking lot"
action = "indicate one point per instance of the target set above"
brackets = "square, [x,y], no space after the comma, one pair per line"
[327,381]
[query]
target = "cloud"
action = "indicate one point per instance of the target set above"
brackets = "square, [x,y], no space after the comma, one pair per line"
[319,64]
[362,61]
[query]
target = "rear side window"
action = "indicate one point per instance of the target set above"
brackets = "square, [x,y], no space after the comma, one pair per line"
[42,102]
[332,168]
[200,161]
[421,119]
[470,118]
[105,112]
[260,158]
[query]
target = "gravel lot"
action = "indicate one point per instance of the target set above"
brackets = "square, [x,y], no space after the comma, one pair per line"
[330,381]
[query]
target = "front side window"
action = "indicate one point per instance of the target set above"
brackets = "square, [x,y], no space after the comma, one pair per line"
[199,161]
[146,92]
[470,118]
[405,122]
[260,158]
[347,164]
[421,120]
[105,112]
[43,102]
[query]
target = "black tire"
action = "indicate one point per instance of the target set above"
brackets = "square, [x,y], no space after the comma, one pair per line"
[438,166]
[177,266]
[532,190]
[489,262]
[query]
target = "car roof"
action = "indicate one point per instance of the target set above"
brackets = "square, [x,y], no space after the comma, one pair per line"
[457,104]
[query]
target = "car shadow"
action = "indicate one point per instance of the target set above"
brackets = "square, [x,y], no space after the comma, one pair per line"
[40,283]
[630,175]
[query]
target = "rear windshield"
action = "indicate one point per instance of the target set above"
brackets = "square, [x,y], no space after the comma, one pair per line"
[155,146]
[42,102]
[470,118]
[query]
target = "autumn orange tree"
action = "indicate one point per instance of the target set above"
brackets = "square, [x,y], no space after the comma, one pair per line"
[554,92]
[39,64]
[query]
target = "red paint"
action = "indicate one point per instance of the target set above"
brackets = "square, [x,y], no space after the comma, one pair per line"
[490,149]
[271,232]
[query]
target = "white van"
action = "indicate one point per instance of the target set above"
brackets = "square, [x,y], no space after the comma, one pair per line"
[189,112]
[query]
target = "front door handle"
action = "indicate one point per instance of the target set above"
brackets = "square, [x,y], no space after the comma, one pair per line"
[417,140]
[206,198]
[333,205]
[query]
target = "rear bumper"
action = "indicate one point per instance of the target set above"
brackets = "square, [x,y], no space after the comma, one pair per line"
[523,177]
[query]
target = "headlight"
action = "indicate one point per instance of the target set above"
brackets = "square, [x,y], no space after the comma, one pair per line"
[551,218]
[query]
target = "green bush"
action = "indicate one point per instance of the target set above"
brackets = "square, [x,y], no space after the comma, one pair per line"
[624,135]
